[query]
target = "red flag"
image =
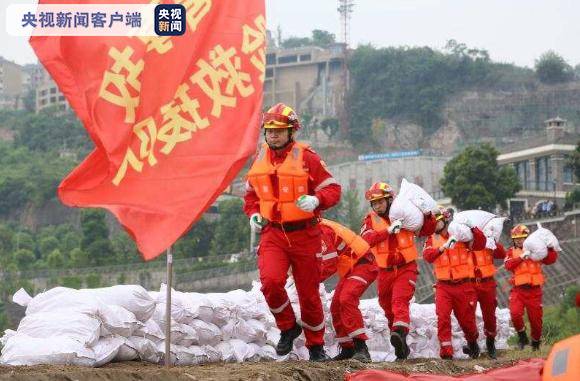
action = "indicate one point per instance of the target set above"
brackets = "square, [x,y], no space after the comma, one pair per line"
[173,118]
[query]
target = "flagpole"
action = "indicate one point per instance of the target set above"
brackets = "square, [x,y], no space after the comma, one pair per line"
[168,309]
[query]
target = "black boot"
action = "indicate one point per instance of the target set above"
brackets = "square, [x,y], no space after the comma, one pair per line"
[399,342]
[287,340]
[523,339]
[361,352]
[317,353]
[490,344]
[472,350]
[536,345]
[345,354]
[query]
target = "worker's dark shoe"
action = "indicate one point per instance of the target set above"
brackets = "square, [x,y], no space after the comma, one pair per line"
[361,352]
[318,354]
[399,342]
[490,344]
[536,345]
[345,354]
[523,339]
[287,340]
[472,350]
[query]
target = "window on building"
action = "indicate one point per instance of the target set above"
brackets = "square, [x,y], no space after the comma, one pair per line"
[53,90]
[305,57]
[523,171]
[43,93]
[269,72]
[287,59]
[543,174]
[270,59]
[61,97]
[52,99]
[568,174]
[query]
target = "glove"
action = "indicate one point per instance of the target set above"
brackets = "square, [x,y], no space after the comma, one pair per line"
[525,255]
[256,222]
[450,243]
[395,227]
[307,203]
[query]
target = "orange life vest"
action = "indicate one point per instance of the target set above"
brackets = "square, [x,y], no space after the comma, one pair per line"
[405,243]
[455,263]
[292,183]
[528,272]
[484,262]
[357,245]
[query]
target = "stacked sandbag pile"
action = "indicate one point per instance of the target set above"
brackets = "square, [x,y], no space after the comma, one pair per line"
[123,323]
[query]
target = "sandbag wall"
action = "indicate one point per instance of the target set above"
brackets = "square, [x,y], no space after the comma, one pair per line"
[93,327]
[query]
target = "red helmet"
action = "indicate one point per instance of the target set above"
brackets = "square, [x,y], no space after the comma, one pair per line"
[280,116]
[520,231]
[445,214]
[379,190]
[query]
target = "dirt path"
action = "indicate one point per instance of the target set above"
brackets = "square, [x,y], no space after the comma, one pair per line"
[262,371]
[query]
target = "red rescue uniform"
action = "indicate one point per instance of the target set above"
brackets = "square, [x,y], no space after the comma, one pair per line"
[454,291]
[526,293]
[485,286]
[354,281]
[396,258]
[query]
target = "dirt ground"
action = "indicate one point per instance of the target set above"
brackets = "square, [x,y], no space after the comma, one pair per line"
[261,371]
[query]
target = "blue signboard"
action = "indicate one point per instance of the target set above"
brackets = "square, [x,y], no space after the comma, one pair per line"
[389,155]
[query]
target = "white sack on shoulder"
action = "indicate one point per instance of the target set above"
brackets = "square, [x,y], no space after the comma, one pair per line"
[410,205]
[538,242]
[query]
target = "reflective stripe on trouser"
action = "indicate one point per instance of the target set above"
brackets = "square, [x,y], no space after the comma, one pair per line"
[395,289]
[275,257]
[346,316]
[486,297]
[461,300]
[531,301]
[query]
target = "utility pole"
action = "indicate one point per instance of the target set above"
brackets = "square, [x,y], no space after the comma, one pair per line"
[345,9]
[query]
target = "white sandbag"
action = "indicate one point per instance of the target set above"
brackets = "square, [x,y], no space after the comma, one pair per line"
[226,351]
[207,333]
[241,350]
[65,323]
[477,218]
[59,298]
[182,334]
[133,298]
[146,349]
[57,350]
[150,330]
[239,329]
[21,297]
[7,335]
[118,321]
[538,242]
[184,306]
[410,205]
[267,353]
[127,352]
[493,230]
[460,231]
[273,336]
[106,349]
[187,355]
[260,330]
[460,226]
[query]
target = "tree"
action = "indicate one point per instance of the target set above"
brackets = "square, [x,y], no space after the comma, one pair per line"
[552,68]
[348,212]
[474,180]
[95,242]
[55,260]
[232,232]
[24,259]
[323,38]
